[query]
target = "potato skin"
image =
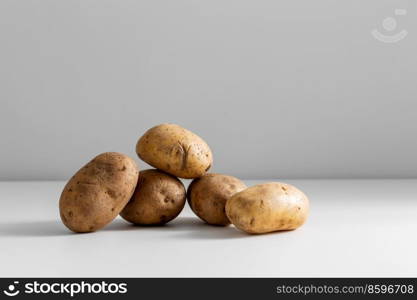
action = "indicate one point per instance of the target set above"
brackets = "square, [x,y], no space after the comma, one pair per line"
[158,198]
[175,150]
[268,207]
[97,193]
[207,197]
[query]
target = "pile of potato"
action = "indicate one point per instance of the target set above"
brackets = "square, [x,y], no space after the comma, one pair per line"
[111,184]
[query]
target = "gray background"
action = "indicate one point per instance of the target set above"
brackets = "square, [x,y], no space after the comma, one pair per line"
[293,88]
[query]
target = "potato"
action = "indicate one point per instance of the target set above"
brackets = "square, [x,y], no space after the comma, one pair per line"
[158,199]
[268,207]
[208,195]
[175,150]
[97,193]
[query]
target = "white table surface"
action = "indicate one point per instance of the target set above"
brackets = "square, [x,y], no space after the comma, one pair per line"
[356,228]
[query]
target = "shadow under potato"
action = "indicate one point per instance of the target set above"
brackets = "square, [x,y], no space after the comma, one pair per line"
[188,227]
[34,229]
[197,229]
[181,227]
[194,228]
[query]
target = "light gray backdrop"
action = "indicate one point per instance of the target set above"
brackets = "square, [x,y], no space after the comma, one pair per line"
[292,88]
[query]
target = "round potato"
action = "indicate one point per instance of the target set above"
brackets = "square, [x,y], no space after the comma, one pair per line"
[159,198]
[97,193]
[268,207]
[208,195]
[175,150]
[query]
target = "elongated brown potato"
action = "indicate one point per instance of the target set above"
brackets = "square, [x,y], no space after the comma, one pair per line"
[97,193]
[159,198]
[268,207]
[175,150]
[208,195]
